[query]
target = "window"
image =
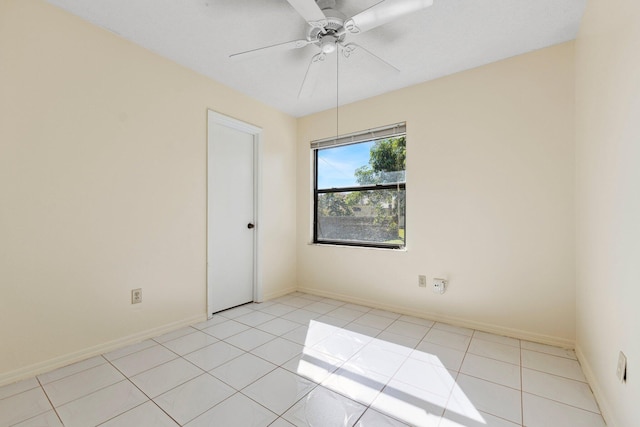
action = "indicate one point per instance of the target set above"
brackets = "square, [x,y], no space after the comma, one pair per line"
[359,188]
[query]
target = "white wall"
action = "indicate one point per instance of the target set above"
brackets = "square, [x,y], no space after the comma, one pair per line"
[103,189]
[490,200]
[608,203]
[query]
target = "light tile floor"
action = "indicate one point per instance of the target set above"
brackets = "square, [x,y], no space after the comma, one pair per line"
[305,360]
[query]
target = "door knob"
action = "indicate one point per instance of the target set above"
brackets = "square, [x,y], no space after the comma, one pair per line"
[250,226]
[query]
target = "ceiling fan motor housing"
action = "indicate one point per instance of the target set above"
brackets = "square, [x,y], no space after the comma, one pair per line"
[335,23]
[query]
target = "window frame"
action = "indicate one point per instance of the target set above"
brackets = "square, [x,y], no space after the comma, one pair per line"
[316,147]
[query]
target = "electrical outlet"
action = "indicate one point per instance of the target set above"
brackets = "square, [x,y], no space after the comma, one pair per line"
[422,281]
[621,372]
[136,296]
[439,286]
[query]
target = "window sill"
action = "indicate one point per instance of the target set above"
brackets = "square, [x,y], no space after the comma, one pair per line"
[332,245]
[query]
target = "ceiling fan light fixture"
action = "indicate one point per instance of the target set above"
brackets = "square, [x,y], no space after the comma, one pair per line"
[328,44]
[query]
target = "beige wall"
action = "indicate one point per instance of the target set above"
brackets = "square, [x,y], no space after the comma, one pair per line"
[608,203]
[103,189]
[490,200]
[102,186]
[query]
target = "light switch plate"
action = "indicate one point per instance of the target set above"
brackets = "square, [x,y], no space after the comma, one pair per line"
[621,372]
[422,281]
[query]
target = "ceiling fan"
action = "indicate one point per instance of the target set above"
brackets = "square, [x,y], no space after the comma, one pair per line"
[329,29]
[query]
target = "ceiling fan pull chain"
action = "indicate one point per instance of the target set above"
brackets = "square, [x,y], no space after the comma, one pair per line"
[337,94]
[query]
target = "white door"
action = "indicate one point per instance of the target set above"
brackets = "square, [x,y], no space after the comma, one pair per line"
[231,223]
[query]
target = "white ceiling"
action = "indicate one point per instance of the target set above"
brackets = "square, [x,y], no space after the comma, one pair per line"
[448,37]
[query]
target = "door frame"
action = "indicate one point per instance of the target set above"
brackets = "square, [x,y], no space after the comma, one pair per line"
[214,117]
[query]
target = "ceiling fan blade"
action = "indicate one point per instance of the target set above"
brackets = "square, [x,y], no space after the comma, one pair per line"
[311,77]
[349,48]
[382,13]
[310,11]
[295,44]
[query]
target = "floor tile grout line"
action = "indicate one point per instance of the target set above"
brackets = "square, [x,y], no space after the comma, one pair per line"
[239,348]
[521,388]
[419,340]
[296,402]
[130,378]
[73,373]
[165,412]
[254,401]
[89,394]
[129,410]
[247,385]
[21,391]
[132,353]
[489,381]
[555,375]
[446,405]
[551,354]
[503,418]
[151,399]
[152,367]
[176,338]
[561,403]
[283,412]
[361,415]
[488,411]
[393,417]
[55,410]
[467,350]
[170,349]
[207,410]
[484,356]
[124,377]
[494,342]
[497,335]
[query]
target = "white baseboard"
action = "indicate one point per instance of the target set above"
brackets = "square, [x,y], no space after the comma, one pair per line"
[601,398]
[485,327]
[279,293]
[67,359]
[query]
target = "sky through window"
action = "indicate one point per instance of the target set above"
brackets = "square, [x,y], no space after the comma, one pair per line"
[337,165]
